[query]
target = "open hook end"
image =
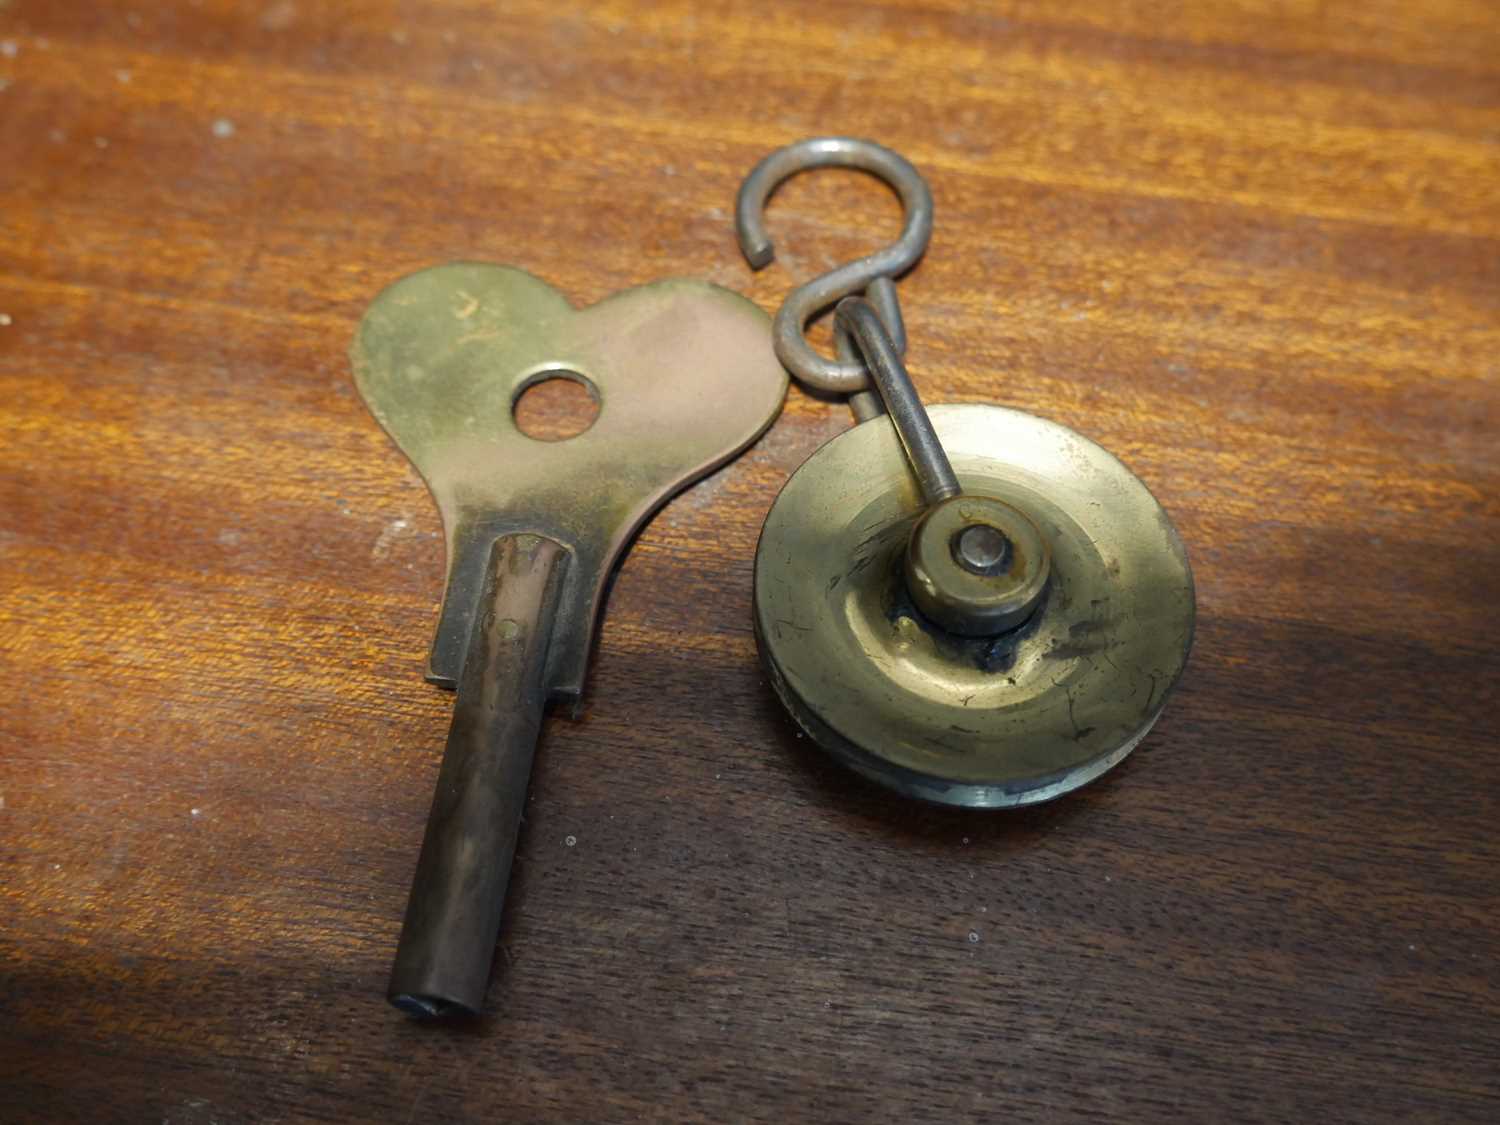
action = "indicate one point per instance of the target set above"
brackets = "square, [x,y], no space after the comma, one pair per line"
[757,249]
[749,224]
[760,256]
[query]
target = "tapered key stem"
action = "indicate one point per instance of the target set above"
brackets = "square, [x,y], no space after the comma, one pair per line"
[453,914]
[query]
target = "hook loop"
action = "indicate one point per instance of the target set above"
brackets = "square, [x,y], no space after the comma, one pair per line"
[807,300]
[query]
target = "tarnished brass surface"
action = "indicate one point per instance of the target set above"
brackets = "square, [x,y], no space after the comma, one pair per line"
[458,891]
[1011,720]
[440,358]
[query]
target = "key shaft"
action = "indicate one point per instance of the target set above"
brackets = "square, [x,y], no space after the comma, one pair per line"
[458,893]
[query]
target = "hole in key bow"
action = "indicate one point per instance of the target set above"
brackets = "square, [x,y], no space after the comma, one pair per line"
[555,405]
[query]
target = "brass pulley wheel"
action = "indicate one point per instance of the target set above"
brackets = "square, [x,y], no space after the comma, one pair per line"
[973,606]
[1087,579]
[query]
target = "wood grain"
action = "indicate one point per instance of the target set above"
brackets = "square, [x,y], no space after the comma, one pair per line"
[1252,247]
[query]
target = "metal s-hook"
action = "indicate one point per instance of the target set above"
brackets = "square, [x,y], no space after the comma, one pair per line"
[873,273]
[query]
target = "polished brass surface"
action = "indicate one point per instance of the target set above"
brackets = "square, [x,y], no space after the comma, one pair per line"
[1000,581]
[990,721]
[440,358]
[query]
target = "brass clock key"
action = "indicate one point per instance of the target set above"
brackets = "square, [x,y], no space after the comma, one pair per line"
[685,377]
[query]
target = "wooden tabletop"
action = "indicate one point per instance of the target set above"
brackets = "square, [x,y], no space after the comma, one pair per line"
[1253,248]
